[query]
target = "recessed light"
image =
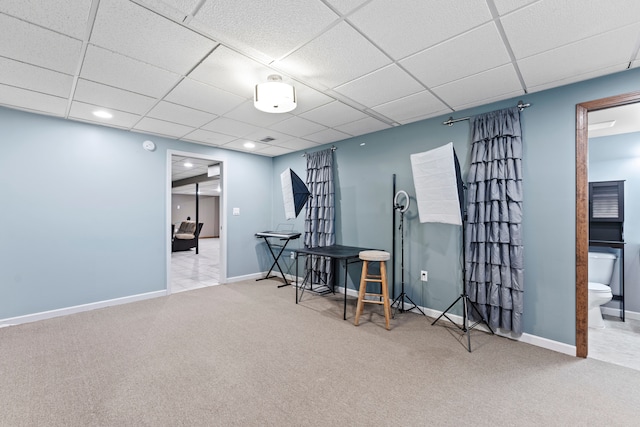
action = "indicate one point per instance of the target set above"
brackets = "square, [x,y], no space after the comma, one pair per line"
[249,145]
[102,114]
[188,164]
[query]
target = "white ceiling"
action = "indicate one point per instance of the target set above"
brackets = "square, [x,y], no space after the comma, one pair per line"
[616,121]
[186,69]
[180,170]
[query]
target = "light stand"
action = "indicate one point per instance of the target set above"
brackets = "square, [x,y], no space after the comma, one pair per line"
[400,300]
[466,302]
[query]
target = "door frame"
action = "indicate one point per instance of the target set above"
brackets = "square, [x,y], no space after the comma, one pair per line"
[582,209]
[221,214]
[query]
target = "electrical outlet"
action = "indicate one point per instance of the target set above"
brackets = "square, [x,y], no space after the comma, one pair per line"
[423,275]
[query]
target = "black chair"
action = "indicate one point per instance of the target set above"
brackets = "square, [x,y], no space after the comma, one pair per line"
[186,236]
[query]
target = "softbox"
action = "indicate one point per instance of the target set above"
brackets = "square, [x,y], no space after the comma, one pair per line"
[439,187]
[294,193]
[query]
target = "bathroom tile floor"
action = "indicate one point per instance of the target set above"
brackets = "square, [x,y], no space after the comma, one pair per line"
[190,271]
[617,343]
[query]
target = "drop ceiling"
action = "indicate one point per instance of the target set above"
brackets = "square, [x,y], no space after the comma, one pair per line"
[186,69]
[183,168]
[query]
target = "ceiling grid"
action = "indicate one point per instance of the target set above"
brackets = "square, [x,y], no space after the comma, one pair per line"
[186,69]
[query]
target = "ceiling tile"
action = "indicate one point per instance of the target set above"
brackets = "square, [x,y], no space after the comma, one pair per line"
[506,6]
[177,10]
[411,106]
[111,97]
[381,86]
[65,16]
[362,126]
[125,27]
[161,127]
[587,55]
[297,144]
[272,27]
[334,114]
[208,137]
[249,114]
[475,51]
[232,72]
[231,127]
[35,101]
[578,78]
[308,99]
[84,112]
[297,126]
[238,144]
[423,117]
[34,78]
[261,134]
[479,102]
[567,21]
[35,45]
[274,151]
[346,6]
[496,82]
[429,22]
[327,136]
[103,66]
[203,97]
[178,114]
[336,57]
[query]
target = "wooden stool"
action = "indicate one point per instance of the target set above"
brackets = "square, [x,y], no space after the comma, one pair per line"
[373,256]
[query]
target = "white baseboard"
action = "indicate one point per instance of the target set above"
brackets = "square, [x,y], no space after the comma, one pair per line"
[11,321]
[525,338]
[245,277]
[612,311]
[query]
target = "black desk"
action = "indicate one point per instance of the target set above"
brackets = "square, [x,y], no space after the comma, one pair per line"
[283,237]
[336,252]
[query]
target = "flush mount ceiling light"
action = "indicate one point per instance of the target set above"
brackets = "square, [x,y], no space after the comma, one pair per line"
[274,96]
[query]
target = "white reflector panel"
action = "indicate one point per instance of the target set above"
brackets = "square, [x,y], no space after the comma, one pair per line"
[438,185]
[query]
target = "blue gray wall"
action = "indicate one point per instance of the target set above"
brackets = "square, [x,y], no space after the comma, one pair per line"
[86,218]
[604,165]
[364,199]
[84,212]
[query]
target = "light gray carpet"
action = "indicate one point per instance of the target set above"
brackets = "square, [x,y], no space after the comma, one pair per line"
[245,354]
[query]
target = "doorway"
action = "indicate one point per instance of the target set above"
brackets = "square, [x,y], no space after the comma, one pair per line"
[195,193]
[582,209]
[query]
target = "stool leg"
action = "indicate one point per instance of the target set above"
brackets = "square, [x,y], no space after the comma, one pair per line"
[385,294]
[361,291]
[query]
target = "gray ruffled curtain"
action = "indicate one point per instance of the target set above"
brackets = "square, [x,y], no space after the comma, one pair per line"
[319,224]
[494,276]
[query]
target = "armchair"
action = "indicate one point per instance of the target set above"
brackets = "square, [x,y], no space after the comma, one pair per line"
[186,236]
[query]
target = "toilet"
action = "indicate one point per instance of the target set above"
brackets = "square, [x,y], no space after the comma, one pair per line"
[600,273]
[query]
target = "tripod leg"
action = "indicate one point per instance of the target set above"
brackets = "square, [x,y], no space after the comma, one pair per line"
[414,305]
[465,322]
[448,308]
[482,319]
